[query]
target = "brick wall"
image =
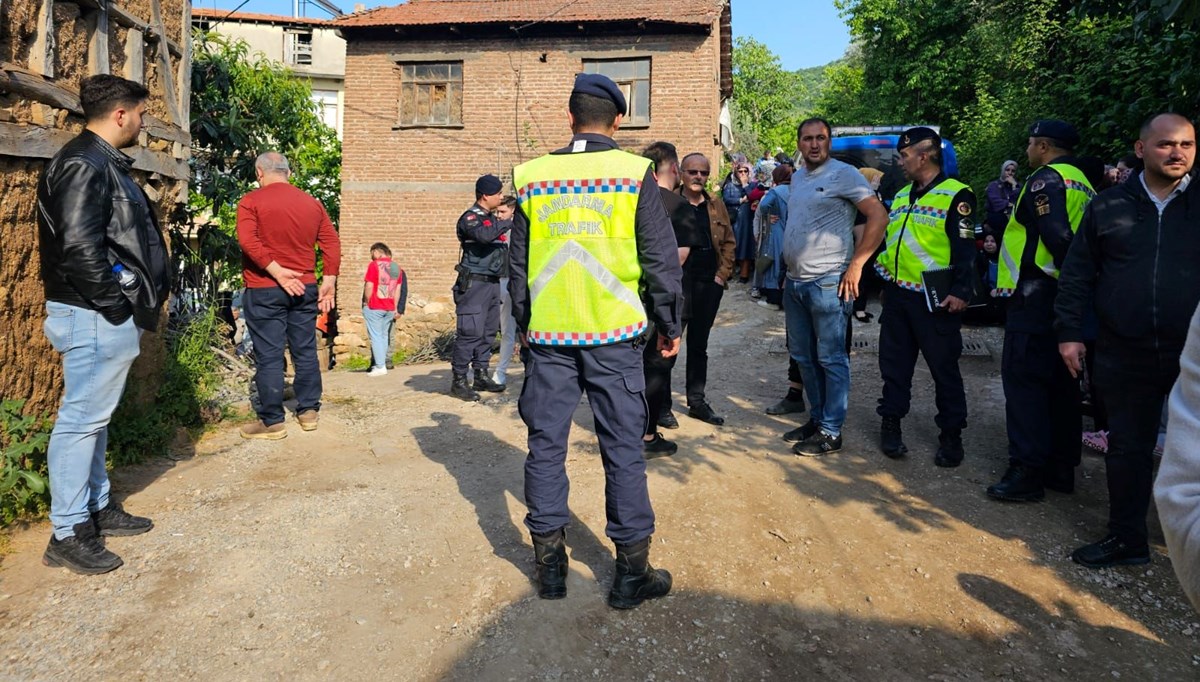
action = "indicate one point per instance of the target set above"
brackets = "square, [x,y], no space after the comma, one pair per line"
[407,187]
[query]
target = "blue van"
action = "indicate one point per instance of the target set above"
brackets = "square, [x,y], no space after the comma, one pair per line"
[875,147]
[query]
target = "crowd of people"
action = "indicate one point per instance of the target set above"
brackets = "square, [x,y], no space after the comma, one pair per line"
[604,262]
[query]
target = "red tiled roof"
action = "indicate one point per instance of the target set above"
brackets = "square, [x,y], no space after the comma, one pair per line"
[205,13]
[430,12]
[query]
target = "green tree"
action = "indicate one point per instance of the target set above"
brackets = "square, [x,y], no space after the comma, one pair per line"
[984,71]
[243,105]
[766,98]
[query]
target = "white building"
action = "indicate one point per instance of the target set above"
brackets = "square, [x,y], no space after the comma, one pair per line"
[310,47]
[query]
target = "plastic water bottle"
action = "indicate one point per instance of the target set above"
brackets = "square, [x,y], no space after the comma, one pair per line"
[127,278]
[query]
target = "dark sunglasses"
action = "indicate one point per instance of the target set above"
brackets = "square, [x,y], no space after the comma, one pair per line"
[743,172]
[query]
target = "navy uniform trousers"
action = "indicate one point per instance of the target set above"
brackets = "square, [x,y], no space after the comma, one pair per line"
[555,378]
[906,328]
[1041,403]
[477,312]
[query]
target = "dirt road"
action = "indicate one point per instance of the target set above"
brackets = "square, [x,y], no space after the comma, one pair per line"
[389,545]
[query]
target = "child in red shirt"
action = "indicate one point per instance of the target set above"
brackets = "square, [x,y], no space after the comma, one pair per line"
[384,294]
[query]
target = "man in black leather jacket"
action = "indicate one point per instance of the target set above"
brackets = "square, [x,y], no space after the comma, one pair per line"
[104,267]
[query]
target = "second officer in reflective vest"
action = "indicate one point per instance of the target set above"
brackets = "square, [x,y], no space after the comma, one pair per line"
[931,228]
[590,236]
[1042,402]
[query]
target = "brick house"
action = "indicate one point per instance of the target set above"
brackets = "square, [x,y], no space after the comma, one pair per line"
[439,92]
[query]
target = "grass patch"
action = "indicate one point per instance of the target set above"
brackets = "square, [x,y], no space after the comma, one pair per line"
[355,363]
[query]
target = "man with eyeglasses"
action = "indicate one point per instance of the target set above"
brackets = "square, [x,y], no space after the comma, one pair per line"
[705,276]
[823,270]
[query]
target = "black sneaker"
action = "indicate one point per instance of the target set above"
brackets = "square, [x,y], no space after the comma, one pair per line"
[802,433]
[667,420]
[1019,484]
[658,447]
[82,553]
[113,520]
[704,412]
[786,406]
[818,445]
[1111,551]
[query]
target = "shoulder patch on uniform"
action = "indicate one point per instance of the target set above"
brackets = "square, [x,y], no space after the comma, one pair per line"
[1041,200]
[1037,186]
[964,208]
[966,225]
[1043,210]
[471,217]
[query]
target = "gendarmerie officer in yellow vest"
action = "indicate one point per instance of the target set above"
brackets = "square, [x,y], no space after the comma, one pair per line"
[931,227]
[591,237]
[1042,405]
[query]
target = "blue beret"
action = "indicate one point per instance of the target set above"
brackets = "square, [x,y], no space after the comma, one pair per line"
[600,86]
[488,185]
[1061,131]
[914,135]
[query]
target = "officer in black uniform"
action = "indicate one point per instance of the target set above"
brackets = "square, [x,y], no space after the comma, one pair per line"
[906,325]
[477,289]
[1042,400]
[612,375]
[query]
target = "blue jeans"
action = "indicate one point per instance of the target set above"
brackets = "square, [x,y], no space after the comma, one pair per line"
[816,329]
[379,330]
[275,318]
[96,359]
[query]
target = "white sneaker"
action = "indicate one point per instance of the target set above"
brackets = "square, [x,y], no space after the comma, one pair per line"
[377,371]
[498,378]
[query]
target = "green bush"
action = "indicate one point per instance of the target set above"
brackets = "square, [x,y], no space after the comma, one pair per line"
[185,398]
[24,483]
[356,363]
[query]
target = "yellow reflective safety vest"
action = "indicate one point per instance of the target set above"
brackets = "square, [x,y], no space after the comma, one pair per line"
[583,264]
[1012,247]
[916,238]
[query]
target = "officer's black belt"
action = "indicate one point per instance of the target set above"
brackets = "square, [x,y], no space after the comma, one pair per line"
[484,278]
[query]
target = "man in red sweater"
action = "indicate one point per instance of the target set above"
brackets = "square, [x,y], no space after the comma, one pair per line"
[278,226]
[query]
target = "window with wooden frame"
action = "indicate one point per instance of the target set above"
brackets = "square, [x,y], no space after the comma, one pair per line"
[430,94]
[299,47]
[633,77]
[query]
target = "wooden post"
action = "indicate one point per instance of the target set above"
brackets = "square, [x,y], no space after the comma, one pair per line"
[165,73]
[135,56]
[41,54]
[185,68]
[98,61]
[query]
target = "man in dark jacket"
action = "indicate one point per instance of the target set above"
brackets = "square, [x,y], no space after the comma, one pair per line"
[477,289]
[104,267]
[1138,253]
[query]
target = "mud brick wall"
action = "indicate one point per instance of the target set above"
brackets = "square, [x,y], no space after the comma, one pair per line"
[407,187]
[32,369]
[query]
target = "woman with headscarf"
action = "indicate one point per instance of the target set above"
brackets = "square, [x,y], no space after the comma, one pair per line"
[769,221]
[735,192]
[1001,197]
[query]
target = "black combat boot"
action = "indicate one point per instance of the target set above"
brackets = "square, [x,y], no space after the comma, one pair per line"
[1019,484]
[950,449]
[636,580]
[459,388]
[483,382]
[550,552]
[891,439]
[83,553]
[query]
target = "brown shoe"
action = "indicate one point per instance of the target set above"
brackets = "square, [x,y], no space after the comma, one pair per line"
[308,419]
[262,431]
